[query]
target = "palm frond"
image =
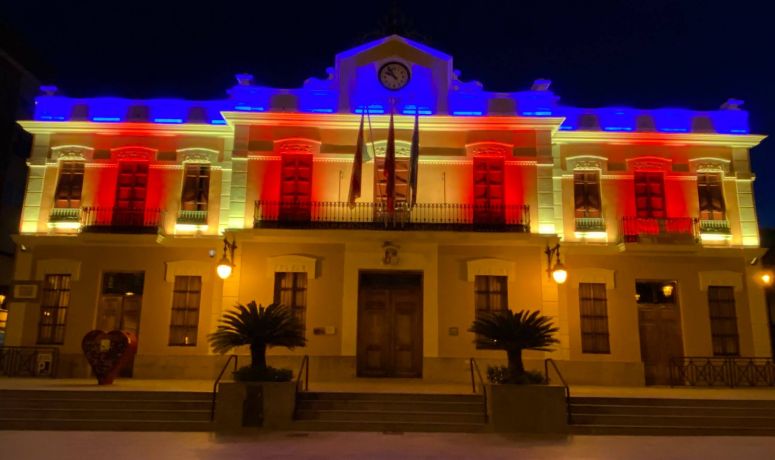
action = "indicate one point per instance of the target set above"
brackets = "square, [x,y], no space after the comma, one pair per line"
[506,330]
[273,325]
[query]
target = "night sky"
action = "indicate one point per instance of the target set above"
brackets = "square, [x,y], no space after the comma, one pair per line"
[640,53]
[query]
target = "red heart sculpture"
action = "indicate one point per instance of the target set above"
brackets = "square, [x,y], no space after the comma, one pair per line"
[108,352]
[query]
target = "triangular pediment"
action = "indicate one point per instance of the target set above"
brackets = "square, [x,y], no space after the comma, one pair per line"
[391,46]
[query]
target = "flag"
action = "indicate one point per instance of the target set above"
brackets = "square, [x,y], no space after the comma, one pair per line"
[355,177]
[414,159]
[390,167]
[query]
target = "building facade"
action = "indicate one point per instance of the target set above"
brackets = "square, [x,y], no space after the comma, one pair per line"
[128,202]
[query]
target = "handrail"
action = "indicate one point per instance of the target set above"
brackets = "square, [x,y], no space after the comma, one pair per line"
[475,367]
[218,380]
[548,361]
[303,369]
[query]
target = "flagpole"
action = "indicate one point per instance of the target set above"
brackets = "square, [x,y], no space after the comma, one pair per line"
[414,158]
[390,162]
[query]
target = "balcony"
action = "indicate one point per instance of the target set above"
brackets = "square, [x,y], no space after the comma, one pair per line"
[670,230]
[65,215]
[120,220]
[715,227]
[192,217]
[590,224]
[374,216]
[67,219]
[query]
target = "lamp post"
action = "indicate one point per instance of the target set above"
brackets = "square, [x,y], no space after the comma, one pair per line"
[226,264]
[556,271]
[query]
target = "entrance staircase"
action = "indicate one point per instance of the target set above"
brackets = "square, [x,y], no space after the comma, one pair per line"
[661,416]
[105,410]
[389,412]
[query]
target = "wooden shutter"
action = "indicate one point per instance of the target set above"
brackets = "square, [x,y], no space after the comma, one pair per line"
[488,190]
[296,187]
[650,195]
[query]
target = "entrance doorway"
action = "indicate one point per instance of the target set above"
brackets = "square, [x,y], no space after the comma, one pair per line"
[659,322]
[120,305]
[389,324]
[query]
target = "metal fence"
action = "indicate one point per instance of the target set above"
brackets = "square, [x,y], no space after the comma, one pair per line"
[722,371]
[422,216]
[670,229]
[121,220]
[29,361]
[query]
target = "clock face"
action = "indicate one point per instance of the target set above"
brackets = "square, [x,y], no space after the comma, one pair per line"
[394,75]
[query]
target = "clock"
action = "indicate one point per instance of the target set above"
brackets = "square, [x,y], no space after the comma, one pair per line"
[393,75]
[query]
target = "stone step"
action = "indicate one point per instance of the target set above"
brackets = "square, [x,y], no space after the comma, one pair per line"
[127,413]
[104,425]
[390,396]
[668,430]
[174,404]
[391,416]
[673,402]
[387,427]
[727,410]
[99,394]
[365,404]
[673,420]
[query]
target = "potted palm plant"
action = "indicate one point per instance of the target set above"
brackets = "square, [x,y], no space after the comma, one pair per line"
[261,395]
[513,332]
[514,404]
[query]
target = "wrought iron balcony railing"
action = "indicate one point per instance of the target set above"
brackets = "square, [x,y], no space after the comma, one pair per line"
[423,216]
[192,217]
[730,371]
[120,220]
[65,215]
[590,224]
[667,230]
[718,227]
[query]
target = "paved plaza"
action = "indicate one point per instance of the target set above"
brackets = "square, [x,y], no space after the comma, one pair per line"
[63,445]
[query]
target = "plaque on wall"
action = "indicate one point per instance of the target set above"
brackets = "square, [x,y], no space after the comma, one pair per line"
[25,291]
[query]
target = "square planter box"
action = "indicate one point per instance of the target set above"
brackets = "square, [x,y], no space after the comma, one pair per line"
[539,409]
[241,405]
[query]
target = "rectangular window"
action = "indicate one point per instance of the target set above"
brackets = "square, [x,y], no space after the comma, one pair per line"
[290,289]
[69,185]
[196,187]
[593,306]
[711,194]
[650,195]
[184,323]
[53,309]
[723,321]
[586,189]
[490,294]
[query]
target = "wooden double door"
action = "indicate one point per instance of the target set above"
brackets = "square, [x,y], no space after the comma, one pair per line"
[389,324]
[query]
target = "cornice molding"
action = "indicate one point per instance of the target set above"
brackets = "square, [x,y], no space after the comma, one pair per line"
[126,128]
[427,123]
[616,137]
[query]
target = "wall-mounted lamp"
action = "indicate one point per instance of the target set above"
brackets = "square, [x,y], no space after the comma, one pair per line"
[766,278]
[556,271]
[226,264]
[667,290]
